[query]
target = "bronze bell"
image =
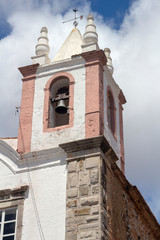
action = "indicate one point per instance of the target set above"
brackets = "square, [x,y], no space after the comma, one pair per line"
[61,107]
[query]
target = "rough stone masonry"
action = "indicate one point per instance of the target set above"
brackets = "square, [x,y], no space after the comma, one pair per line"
[100,203]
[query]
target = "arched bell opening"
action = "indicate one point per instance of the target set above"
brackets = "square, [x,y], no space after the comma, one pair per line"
[111,112]
[59,103]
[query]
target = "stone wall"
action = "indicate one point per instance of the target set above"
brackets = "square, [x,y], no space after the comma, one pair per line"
[100,203]
[83,199]
[86,216]
[86,200]
[129,216]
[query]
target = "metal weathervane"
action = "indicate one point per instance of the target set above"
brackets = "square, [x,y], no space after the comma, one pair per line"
[75,23]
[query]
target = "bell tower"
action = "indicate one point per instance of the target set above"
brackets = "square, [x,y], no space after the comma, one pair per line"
[72,97]
[69,168]
[72,105]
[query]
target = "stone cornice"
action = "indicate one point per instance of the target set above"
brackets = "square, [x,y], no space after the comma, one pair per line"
[92,56]
[13,194]
[29,70]
[6,149]
[40,155]
[121,97]
[90,143]
[15,191]
[138,200]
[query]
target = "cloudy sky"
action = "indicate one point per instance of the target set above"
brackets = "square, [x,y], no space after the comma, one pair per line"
[130,28]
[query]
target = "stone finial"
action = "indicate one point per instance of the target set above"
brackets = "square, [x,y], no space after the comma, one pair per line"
[90,33]
[42,48]
[107,52]
[90,37]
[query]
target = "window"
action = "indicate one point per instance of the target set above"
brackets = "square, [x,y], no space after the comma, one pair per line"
[8,218]
[111,112]
[11,213]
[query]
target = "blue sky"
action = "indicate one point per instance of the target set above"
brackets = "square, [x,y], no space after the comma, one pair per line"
[5,28]
[112,10]
[131,30]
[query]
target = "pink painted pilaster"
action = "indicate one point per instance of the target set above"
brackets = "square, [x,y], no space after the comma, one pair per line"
[122,101]
[94,117]
[26,113]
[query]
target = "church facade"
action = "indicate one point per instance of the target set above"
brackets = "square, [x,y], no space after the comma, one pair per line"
[63,178]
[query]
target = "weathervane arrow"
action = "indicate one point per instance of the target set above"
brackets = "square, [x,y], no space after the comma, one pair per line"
[75,23]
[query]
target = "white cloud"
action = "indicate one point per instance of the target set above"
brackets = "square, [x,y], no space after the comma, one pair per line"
[135,53]
[138,71]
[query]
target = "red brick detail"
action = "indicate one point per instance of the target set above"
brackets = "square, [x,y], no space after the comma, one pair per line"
[29,70]
[94,116]
[47,88]
[26,114]
[94,56]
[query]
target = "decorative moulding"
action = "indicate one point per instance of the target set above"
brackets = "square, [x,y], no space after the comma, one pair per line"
[90,143]
[29,70]
[10,194]
[95,55]
[121,97]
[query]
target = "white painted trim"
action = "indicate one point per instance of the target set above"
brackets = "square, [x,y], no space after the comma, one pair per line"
[69,64]
[17,163]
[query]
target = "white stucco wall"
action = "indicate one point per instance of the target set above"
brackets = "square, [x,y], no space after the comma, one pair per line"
[47,171]
[43,140]
[109,81]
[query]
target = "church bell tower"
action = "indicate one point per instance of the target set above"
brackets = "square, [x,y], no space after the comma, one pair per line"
[73,103]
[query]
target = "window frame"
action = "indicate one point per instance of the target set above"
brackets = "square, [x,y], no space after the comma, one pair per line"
[3,222]
[14,198]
